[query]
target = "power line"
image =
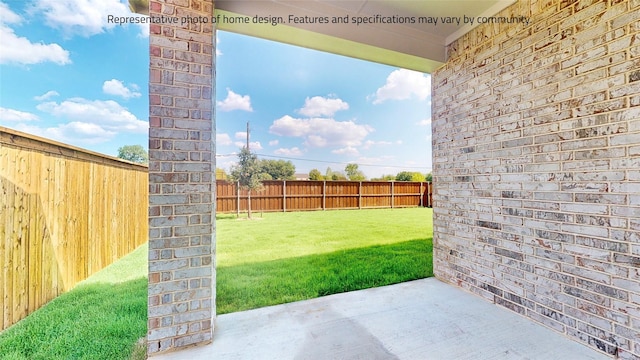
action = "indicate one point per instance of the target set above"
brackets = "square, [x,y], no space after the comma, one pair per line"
[330,162]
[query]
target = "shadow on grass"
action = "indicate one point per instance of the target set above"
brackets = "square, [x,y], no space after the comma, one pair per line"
[226,216]
[242,216]
[112,316]
[255,285]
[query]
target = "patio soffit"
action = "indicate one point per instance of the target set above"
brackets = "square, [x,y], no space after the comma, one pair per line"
[418,46]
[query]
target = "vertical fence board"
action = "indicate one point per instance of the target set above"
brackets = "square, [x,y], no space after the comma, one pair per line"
[35,253]
[4,269]
[65,213]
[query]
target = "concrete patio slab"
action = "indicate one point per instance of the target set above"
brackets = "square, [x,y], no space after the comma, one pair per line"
[422,319]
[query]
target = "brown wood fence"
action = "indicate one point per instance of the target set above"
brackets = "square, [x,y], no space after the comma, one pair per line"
[299,195]
[65,213]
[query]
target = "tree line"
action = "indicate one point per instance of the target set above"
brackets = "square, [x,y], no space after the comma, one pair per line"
[351,172]
[267,169]
[250,171]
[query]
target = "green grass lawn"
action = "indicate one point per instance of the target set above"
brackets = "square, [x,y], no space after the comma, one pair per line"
[277,258]
[101,318]
[286,257]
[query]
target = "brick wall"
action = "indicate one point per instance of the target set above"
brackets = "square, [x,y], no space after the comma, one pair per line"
[181,178]
[537,168]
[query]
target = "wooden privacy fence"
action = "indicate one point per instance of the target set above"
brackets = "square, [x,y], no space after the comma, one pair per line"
[298,195]
[65,213]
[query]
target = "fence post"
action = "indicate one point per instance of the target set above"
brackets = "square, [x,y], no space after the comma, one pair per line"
[421,194]
[284,195]
[392,193]
[324,195]
[360,196]
[237,198]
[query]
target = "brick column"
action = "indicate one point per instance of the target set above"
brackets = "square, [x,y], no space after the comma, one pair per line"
[181,179]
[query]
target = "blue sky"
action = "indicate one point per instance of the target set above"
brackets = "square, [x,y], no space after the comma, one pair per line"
[68,75]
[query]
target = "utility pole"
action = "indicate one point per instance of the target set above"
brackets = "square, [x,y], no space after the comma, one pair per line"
[249,189]
[247,135]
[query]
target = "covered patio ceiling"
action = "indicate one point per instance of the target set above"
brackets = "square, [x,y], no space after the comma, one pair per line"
[418,46]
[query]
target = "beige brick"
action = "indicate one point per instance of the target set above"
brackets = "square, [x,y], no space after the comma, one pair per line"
[180,181]
[601,62]
[633,88]
[572,89]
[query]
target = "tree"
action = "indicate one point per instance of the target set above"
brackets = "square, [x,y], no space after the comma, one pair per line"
[409,176]
[133,153]
[221,174]
[337,175]
[278,169]
[247,173]
[403,176]
[315,174]
[353,173]
[328,175]
[428,178]
[385,178]
[417,176]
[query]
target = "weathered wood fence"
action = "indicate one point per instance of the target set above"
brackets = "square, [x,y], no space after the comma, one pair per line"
[299,195]
[65,213]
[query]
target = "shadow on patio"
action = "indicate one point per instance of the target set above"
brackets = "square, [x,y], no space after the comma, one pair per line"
[422,319]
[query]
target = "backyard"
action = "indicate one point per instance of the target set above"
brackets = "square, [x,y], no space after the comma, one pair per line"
[284,257]
[273,259]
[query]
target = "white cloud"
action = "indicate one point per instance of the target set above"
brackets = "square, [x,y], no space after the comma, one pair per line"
[225,162]
[369,143]
[7,16]
[20,50]
[46,96]
[273,142]
[218,51]
[294,151]
[253,145]
[87,129]
[321,106]
[424,122]
[116,87]
[144,30]
[79,133]
[16,115]
[319,132]
[375,160]
[223,139]
[81,17]
[404,84]
[235,102]
[87,121]
[349,150]
[109,115]
[242,135]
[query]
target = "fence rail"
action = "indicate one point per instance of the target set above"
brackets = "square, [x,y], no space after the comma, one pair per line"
[65,213]
[300,195]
